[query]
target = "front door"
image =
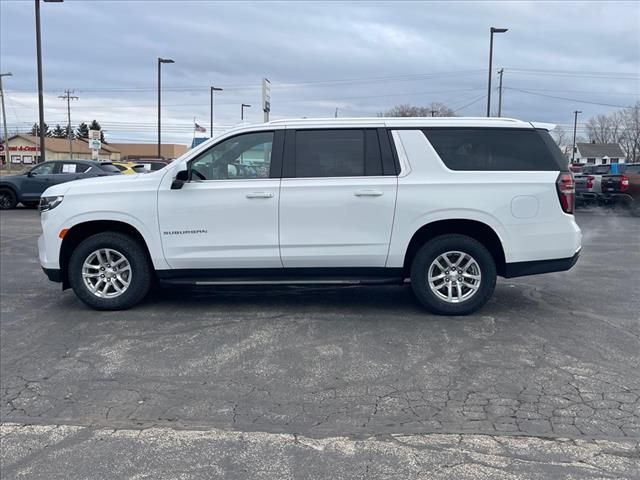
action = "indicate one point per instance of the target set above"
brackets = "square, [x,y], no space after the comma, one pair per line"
[226,215]
[38,179]
[338,199]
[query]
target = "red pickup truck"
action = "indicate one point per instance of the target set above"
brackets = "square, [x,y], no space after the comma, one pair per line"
[623,188]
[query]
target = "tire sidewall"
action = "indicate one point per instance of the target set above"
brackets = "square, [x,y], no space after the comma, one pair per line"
[442,244]
[12,196]
[140,270]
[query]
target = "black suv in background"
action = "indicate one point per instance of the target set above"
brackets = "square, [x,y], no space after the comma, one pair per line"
[27,187]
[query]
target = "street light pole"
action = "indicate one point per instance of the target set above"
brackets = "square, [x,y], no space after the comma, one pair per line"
[242,107]
[575,125]
[493,30]
[160,62]
[213,89]
[4,122]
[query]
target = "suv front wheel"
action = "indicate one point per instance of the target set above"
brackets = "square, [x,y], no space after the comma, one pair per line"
[110,271]
[453,275]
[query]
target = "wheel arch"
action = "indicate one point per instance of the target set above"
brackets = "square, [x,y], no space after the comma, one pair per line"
[81,231]
[472,228]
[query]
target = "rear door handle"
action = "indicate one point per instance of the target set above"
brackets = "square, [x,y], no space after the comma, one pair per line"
[260,195]
[368,193]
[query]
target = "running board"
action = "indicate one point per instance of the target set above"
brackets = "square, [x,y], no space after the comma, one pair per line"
[293,281]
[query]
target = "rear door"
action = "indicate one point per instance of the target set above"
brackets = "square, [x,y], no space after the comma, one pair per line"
[337,198]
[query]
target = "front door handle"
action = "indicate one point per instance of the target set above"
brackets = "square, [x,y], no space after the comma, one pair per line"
[368,193]
[260,195]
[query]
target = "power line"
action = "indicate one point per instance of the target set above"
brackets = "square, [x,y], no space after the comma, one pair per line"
[565,98]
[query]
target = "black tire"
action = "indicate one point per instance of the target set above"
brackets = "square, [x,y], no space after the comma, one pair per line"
[141,270]
[8,199]
[438,246]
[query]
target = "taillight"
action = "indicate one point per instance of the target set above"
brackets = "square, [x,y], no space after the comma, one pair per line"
[590,180]
[624,183]
[566,191]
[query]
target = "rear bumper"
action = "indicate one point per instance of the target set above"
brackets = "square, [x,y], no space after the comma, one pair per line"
[521,269]
[617,198]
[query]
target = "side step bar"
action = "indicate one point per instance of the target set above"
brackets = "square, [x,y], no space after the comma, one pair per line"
[199,281]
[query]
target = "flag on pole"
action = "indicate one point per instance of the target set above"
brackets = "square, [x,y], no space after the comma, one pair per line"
[200,128]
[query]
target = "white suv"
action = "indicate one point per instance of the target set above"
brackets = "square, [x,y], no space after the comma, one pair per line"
[449,203]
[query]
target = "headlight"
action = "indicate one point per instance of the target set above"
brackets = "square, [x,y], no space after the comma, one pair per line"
[49,203]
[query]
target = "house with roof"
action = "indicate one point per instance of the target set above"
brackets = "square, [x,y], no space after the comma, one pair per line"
[599,153]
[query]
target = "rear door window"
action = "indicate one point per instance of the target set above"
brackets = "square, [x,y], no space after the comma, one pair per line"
[333,153]
[496,149]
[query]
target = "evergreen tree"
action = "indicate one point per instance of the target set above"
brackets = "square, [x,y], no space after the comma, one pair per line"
[35,130]
[82,131]
[58,132]
[66,132]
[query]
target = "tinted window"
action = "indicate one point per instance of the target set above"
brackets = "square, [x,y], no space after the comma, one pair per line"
[240,157]
[494,149]
[46,168]
[109,167]
[336,153]
[122,168]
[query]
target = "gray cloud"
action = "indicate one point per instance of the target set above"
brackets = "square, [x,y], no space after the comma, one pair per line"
[360,57]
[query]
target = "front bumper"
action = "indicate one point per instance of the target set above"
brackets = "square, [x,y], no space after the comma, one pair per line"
[53,274]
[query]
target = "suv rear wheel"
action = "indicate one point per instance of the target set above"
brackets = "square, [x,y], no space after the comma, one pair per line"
[453,275]
[110,271]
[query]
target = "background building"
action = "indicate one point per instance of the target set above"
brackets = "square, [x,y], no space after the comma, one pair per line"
[25,150]
[599,153]
[148,151]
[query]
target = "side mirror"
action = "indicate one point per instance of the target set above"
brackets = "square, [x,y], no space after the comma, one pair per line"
[30,173]
[182,177]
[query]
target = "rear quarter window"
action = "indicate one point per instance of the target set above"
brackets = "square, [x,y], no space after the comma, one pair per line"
[109,167]
[496,149]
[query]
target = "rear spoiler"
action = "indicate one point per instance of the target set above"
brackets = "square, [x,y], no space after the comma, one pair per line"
[543,126]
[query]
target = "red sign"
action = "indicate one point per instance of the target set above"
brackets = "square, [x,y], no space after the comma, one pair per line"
[21,148]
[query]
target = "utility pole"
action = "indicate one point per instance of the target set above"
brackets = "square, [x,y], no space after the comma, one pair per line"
[500,72]
[4,122]
[433,112]
[335,115]
[213,90]
[575,125]
[68,97]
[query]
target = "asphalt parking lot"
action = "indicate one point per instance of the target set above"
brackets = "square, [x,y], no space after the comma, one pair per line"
[544,382]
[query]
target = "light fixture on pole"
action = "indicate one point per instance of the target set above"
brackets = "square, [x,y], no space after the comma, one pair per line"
[493,30]
[575,125]
[242,107]
[40,88]
[160,62]
[4,121]
[213,89]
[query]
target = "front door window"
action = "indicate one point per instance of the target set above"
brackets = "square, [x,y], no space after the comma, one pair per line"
[242,157]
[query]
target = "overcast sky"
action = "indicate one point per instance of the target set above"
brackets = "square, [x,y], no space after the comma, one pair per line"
[360,57]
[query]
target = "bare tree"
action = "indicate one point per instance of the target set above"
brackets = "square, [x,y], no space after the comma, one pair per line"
[630,139]
[435,109]
[606,128]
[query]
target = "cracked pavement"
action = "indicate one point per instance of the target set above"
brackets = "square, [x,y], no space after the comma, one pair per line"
[228,381]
